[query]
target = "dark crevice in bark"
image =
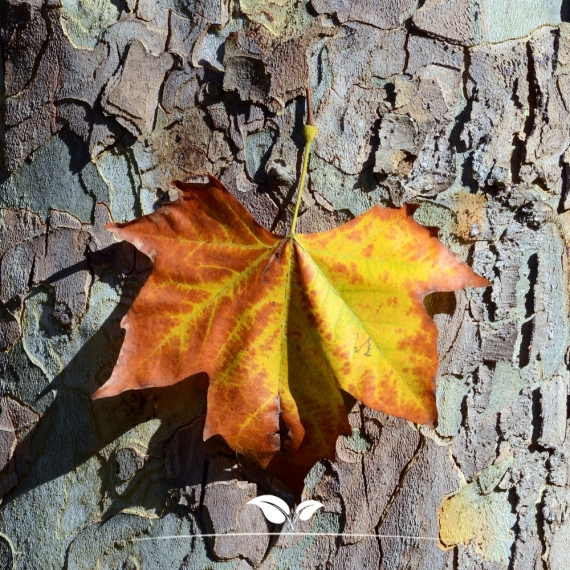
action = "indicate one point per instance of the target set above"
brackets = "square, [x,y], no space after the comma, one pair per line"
[540,530]
[565,11]
[534,99]
[527,329]
[536,421]
[488,299]
[513,501]
[532,265]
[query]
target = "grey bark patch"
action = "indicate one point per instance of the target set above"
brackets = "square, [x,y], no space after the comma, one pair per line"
[17,424]
[507,384]
[472,22]
[257,150]
[62,164]
[450,19]
[555,512]
[24,26]
[226,511]
[554,412]
[548,138]
[420,493]
[398,148]
[384,14]
[54,253]
[260,204]
[424,51]
[29,135]
[348,112]
[183,149]
[179,91]
[185,33]
[22,240]
[421,159]
[459,335]
[128,461]
[262,70]
[123,98]
[6,554]
[450,394]
[476,445]
[499,341]
[499,109]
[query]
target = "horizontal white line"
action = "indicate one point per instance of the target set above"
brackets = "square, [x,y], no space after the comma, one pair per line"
[280,534]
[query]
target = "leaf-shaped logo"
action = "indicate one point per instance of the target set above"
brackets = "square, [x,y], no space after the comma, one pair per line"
[307,509]
[277,511]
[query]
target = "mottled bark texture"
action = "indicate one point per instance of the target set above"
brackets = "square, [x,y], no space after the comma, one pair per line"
[461,106]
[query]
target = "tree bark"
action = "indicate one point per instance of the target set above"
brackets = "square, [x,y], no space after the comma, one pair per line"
[460,106]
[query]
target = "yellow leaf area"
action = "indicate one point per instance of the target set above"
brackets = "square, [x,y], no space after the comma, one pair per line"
[281,323]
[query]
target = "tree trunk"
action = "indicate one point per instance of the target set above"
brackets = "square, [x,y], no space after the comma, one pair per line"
[461,106]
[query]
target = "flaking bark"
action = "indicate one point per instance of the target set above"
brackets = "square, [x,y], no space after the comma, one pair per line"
[459,105]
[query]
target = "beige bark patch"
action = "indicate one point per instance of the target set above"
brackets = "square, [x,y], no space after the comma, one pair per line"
[480,515]
[470,213]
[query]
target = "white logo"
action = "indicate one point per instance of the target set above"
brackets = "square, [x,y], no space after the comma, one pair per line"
[277,511]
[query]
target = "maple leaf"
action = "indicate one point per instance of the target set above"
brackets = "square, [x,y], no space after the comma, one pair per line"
[281,323]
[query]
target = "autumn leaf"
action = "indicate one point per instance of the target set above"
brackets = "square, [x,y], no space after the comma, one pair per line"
[281,323]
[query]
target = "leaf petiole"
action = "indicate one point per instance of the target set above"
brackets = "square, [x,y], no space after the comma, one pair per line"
[310,131]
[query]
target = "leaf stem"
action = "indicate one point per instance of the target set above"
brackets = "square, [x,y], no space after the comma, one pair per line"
[310,132]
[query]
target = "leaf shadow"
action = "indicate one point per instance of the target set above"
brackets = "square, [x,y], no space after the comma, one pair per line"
[73,429]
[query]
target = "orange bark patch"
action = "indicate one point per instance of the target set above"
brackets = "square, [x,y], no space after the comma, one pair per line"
[470,214]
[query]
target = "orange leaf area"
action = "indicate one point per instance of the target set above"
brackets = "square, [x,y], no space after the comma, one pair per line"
[281,324]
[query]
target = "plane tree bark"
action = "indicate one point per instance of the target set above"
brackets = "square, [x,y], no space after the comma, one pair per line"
[460,106]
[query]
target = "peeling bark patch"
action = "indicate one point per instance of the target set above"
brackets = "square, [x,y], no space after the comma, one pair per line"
[471,215]
[265,70]
[84,21]
[132,95]
[17,423]
[485,519]
[55,254]
[384,15]
[276,16]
